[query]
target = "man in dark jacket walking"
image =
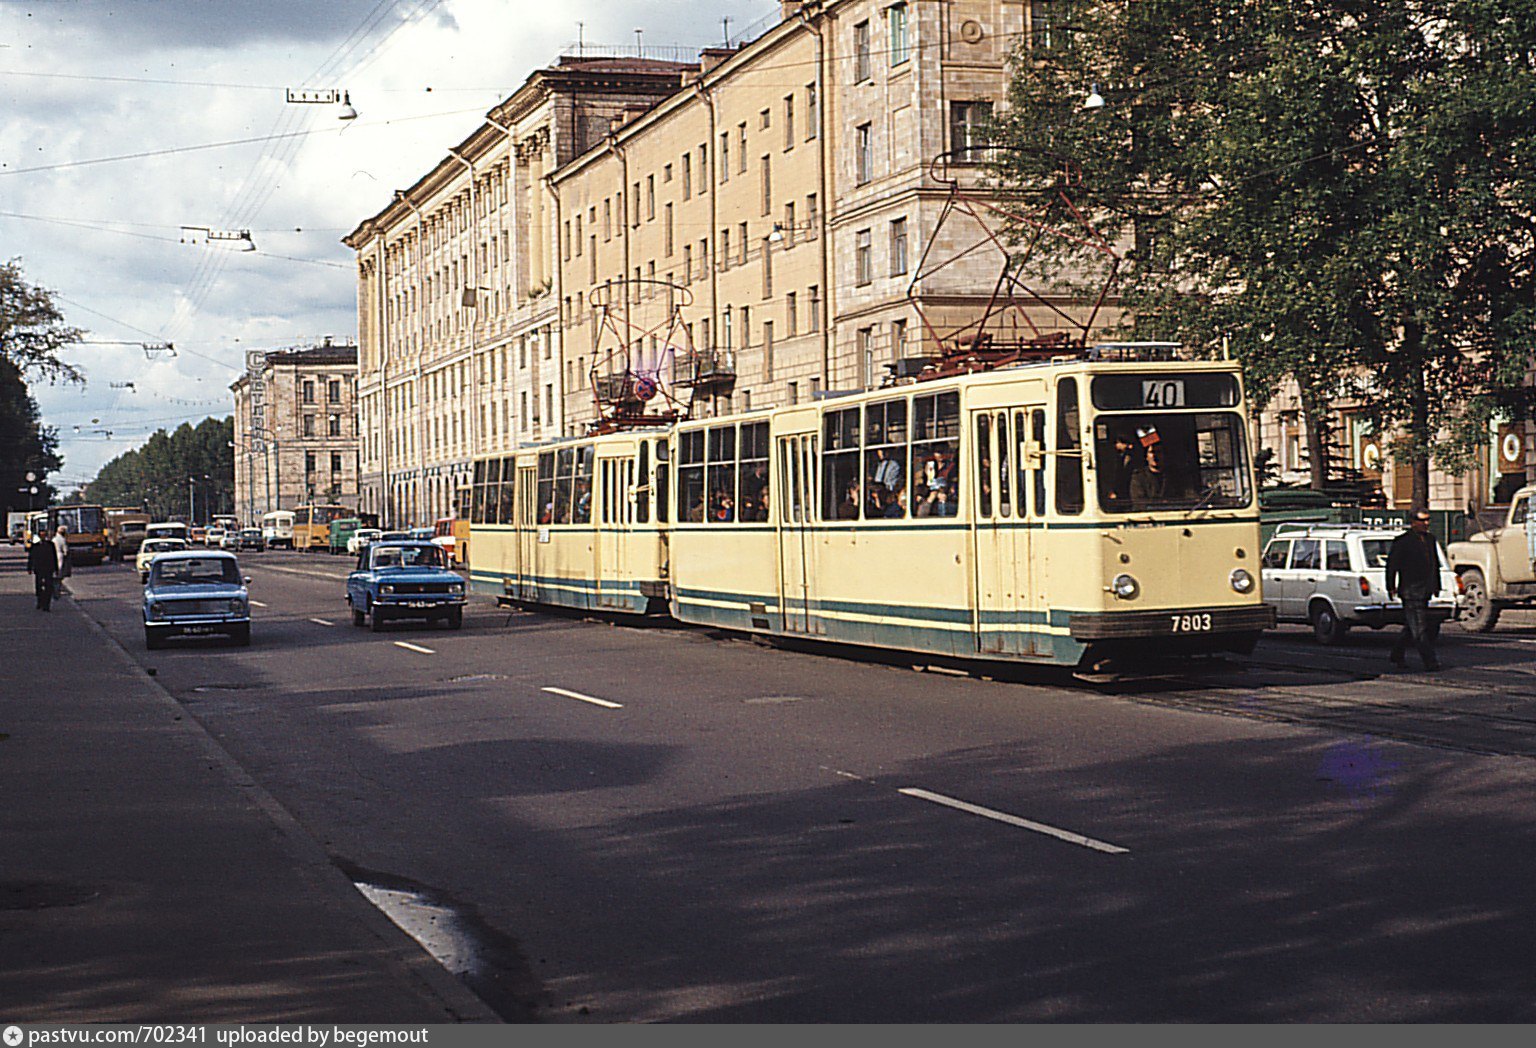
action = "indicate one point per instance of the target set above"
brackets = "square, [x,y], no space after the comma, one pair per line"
[43,563]
[1413,570]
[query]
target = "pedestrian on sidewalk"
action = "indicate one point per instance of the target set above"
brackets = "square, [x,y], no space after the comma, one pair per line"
[43,564]
[1413,570]
[61,547]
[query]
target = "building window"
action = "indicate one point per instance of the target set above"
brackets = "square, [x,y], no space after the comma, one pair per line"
[898,339]
[309,425]
[667,232]
[333,391]
[767,185]
[335,462]
[863,155]
[901,44]
[863,257]
[1044,33]
[741,231]
[791,321]
[687,176]
[813,318]
[967,121]
[861,67]
[650,198]
[741,151]
[607,219]
[898,246]
[812,113]
[788,228]
[725,156]
[763,120]
[333,428]
[767,250]
[309,462]
[789,122]
[767,349]
[866,348]
[703,168]
[635,197]
[307,391]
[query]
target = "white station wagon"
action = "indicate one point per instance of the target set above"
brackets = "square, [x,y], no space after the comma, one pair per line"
[1334,576]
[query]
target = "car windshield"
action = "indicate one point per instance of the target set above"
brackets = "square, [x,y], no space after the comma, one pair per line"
[196,571]
[409,557]
[1171,461]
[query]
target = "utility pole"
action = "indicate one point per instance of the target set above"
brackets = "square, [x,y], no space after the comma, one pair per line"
[191,501]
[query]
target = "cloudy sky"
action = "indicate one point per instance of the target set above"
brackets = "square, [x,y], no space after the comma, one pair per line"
[123,121]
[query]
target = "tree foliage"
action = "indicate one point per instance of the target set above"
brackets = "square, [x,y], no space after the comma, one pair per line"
[1343,190]
[156,474]
[26,445]
[32,330]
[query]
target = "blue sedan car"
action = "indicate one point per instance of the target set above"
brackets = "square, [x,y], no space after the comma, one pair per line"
[403,580]
[196,593]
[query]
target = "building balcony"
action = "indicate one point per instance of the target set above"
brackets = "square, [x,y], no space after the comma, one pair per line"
[704,367]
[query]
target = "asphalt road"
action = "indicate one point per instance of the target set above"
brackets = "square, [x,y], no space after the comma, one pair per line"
[650,823]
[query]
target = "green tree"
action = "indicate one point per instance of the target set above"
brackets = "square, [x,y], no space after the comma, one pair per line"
[32,330]
[1341,190]
[158,474]
[26,445]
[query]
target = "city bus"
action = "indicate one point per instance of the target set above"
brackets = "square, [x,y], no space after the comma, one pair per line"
[312,525]
[86,529]
[277,528]
[1093,508]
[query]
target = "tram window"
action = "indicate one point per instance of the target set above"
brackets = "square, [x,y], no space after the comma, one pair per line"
[722,475]
[1069,451]
[1306,554]
[565,478]
[663,511]
[643,497]
[493,492]
[789,484]
[1276,552]
[1004,499]
[477,501]
[690,475]
[984,465]
[1037,426]
[547,488]
[581,499]
[753,503]
[1172,461]
[508,490]
[936,455]
[840,465]
[605,488]
[885,459]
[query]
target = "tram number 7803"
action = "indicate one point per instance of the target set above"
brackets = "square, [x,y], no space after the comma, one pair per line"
[1197,623]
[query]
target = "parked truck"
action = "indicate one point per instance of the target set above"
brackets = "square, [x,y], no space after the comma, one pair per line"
[125,531]
[16,527]
[1498,566]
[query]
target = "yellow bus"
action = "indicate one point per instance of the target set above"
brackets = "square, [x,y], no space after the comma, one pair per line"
[1072,511]
[312,525]
[86,529]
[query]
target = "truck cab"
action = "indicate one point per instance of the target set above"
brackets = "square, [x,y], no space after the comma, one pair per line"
[1496,566]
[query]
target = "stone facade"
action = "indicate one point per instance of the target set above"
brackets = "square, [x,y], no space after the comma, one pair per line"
[296,430]
[457,316]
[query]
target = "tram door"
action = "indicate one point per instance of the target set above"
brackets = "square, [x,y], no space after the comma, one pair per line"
[1004,582]
[615,480]
[796,499]
[527,531]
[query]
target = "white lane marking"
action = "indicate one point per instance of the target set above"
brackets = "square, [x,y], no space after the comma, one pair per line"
[323,622]
[1014,820]
[414,647]
[257,604]
[584,698]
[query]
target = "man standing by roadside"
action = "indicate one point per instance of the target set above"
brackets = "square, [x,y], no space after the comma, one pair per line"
[43,563]
[1413,569]
[61,547]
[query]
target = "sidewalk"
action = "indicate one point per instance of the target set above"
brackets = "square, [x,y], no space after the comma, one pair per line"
[144,878]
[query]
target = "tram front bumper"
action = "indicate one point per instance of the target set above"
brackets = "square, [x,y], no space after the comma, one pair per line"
[1211,628]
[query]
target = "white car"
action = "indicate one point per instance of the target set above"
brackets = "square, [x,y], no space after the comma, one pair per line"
[213,538]
[151,548]
[361,538]
[1334,576]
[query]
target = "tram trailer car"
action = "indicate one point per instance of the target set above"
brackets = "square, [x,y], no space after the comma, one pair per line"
[1065,512]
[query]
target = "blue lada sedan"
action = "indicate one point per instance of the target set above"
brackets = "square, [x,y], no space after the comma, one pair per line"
[196,593]
[404,580]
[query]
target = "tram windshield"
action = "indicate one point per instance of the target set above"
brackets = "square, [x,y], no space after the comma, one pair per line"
[1171,461]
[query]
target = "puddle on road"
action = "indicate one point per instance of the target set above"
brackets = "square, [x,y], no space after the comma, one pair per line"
[479,956]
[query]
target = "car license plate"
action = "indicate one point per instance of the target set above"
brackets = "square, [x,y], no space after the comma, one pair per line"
[197,629]
[1197,623]
[420,603]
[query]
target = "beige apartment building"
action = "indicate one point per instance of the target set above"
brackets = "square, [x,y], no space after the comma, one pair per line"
[755,239]
[296,429]
[457,307]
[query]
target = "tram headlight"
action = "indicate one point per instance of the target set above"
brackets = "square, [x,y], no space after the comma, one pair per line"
[1241,581]
[1125,587]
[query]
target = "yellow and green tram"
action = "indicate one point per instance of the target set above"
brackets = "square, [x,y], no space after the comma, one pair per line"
[1064,511]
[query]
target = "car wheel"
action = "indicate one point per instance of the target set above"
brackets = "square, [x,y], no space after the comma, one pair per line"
[1482,613]
[241,636]
[153,641]
[377,618]
[358,618]
[456,619]
[1326,625]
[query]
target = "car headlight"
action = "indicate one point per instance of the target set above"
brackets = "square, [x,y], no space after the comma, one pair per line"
[156,611]
[237,607]
[1125,587]
[1241,581]
[456,587]
[386,588]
